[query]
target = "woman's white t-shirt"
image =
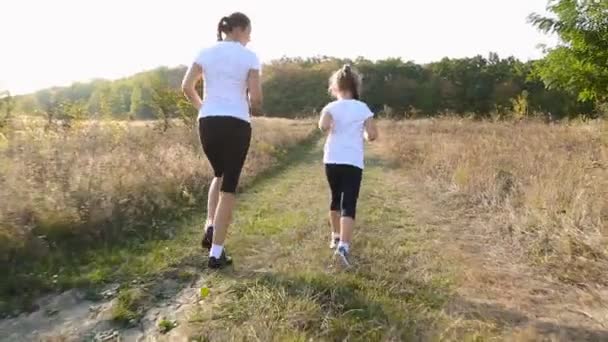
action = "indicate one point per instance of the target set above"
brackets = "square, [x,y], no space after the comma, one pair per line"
[226,65]
[344,144]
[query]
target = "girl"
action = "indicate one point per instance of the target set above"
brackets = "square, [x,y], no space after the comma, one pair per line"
[231,72]
[348,122]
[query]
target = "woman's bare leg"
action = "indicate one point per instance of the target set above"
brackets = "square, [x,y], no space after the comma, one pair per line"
[212,200]
[223,217]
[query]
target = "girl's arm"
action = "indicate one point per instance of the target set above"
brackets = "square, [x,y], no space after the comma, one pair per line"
[326,121]
[193,75]
[371,131]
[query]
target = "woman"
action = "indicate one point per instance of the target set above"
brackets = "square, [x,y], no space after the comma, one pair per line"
[230,73]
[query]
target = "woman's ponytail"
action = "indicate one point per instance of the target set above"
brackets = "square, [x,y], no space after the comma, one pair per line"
[223,27]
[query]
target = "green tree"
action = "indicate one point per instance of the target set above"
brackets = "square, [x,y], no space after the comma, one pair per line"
[520,105]
[166,102]
[142,106]
[72,111]
[99,103]
[579,64]
[119,98]
[187,113]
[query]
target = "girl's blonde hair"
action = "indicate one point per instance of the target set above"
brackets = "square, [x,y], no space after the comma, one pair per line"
[346,79]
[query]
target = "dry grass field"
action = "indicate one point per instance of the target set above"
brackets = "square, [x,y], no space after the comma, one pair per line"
[546,186]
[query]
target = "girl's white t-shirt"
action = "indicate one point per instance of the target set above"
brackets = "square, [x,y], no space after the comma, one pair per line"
[226,65]
[345,142]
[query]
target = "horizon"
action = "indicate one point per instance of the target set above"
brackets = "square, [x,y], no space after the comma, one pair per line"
[81,46]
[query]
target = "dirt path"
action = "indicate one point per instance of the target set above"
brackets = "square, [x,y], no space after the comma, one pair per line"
[424,270]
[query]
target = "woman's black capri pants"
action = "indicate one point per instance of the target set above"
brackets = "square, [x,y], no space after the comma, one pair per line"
[344,182]
[225,141]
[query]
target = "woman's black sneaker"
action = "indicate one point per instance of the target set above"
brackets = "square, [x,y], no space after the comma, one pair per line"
[207,238]
[220,262]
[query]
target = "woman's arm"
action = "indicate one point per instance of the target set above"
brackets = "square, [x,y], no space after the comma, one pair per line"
[371,131]
[254,86]
[326,121]
[193,75]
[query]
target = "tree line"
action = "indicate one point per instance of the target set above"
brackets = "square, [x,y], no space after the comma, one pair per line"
[295,87]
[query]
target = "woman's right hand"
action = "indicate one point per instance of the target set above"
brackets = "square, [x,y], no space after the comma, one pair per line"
[254,88]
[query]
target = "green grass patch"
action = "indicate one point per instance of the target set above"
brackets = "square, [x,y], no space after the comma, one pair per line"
[165,325]
[129,305]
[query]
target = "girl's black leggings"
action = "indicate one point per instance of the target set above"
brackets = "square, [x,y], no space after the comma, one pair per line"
[344,182]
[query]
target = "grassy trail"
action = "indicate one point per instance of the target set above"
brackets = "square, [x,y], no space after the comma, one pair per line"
[285,284]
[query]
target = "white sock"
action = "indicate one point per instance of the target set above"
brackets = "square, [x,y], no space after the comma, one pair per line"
[343,244]
[216,251]
[335,236]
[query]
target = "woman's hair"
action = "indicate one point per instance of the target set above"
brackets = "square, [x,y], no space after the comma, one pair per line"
[346,79]
[227,24]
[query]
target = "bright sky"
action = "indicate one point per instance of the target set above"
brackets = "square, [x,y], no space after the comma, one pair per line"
[46,43]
